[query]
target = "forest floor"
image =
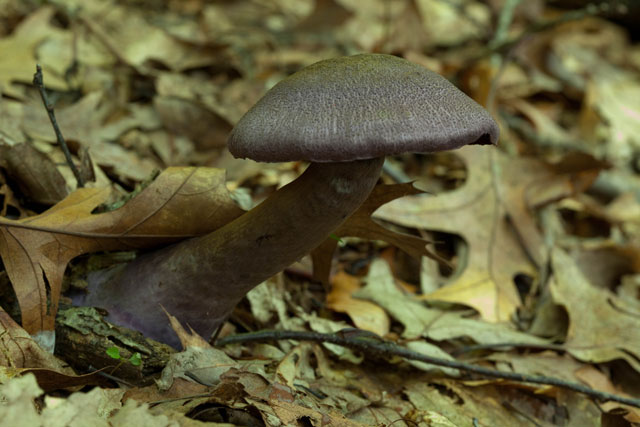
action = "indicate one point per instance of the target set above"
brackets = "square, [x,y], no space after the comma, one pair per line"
[502,290]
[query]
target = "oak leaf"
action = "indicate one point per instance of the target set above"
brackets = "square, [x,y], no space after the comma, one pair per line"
[602,327]
[492,211]
[361,224]
[180,203]
[419,320]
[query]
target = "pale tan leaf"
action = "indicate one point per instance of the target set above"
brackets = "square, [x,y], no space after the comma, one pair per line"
[599,330]
[18,56]
[364,314]
[421,320]
[492,211]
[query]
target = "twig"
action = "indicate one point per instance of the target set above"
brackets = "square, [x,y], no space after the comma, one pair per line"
[177,399]
[374,346]
[38,81]
[501,33]
[530,134]
[110,377]
[508,44]
[504,22]
[470,348]
[395,173]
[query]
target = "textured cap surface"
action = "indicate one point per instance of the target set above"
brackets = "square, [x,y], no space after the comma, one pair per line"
[360,107]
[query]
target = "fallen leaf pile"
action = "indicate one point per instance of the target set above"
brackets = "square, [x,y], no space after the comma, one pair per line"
[524,258]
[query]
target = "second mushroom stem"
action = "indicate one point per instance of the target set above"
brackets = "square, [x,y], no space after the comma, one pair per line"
[200,280]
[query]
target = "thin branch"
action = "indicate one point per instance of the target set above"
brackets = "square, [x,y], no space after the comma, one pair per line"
[507,44]
[110,377]
[395,173]
[505,18]
[38,81]
[470,348]
[374,346]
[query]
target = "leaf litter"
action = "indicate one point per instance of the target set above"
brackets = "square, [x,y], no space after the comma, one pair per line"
[549,222]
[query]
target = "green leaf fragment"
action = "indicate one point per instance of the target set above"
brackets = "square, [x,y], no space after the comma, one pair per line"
[113,352]
[136,359]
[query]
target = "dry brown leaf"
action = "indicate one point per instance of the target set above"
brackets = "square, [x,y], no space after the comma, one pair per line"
[413,314]
[362,225]
[491,211]
[50,379]
[291,413]
[326,15]
[367,27]
[617,101]
[187,338]
[591,56]
[406,32]
[460,405]
[420,320]
[33,173]
[18,56]
[227,100]
[599,330]
[98,407]
[475,212]
[180,203]
[90,124]
[294,370]
[10,121]
[294,365]
[606,264]
[137,40]
[544,123]
[198,361]
[21,355]
[547,363]
[9,201]
[364,314]
[238,387]
[598,380]
[171,399]
[20,351]
[446,26]
[183,117]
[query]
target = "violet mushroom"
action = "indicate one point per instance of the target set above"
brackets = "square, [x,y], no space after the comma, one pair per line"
[343,115]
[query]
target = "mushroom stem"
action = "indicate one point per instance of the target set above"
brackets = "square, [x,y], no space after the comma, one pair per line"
[200,280]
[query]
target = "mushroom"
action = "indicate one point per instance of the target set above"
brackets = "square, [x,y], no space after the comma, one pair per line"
[343,115]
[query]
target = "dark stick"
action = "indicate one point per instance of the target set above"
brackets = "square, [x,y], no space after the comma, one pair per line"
[38,81]
[375,346]
[509,44]
[494,346]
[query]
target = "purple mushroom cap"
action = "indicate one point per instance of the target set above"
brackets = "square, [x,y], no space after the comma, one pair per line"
[360,107]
